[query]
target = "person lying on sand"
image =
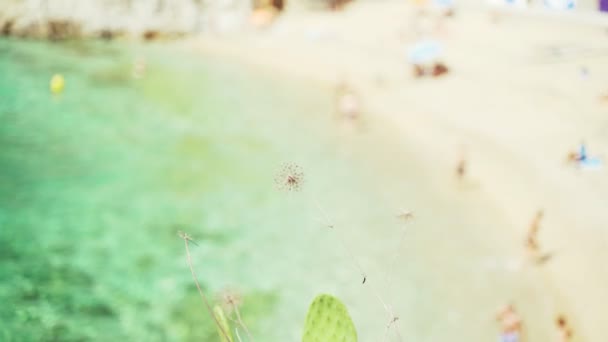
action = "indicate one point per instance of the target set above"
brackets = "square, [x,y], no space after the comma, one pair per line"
[564,332]
[577,156]
[439,69]
[435,70]
[583,160]
[510,324]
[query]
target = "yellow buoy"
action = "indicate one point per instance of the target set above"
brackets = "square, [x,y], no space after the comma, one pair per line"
[57,84]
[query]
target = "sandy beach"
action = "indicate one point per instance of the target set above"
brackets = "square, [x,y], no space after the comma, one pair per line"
[515,100]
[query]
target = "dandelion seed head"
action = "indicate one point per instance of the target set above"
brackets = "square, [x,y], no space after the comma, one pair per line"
[290,177]
[186,237]
[230,300]
[405,215]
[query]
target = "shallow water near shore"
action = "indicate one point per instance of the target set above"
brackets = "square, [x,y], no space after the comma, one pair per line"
[96,182]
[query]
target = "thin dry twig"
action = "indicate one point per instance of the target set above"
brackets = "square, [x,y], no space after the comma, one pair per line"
[188,239]
[232,300]
[242,324]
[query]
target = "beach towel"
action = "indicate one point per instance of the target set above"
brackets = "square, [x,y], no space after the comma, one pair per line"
[560,5]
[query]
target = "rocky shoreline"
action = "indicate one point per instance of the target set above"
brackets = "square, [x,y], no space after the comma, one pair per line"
[109,19]
[142,19]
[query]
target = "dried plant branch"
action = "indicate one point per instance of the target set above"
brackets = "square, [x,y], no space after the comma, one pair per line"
[188,239]
[241,323]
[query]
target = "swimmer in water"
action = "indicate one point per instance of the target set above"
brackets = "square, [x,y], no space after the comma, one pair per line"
[510,324]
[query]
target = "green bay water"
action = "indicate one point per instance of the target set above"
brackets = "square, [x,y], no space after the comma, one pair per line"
[96,182]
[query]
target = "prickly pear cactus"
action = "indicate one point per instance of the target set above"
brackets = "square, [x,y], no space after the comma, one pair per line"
[328,321]
[221,318]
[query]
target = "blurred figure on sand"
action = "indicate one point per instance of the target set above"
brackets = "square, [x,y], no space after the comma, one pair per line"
[510,324]
[461,167]
[445,8]
[336,5]
[564,331]
[581,159]
[531,243]
[265,12]
[347,103]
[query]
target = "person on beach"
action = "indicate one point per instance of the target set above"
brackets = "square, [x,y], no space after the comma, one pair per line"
[265,12]
[510,324]
[583,160]
[337,5]
[460,171]
[531,243]
[347,102]
[564,332]
[582,154]
[584,72]
[578,156]
[461,168]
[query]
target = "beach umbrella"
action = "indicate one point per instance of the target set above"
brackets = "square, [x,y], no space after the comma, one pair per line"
[444,4]
[425,51]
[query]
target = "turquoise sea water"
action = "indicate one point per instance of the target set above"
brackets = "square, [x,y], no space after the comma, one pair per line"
[96,182]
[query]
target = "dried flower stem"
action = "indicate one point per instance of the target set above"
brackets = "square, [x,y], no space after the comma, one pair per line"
[240,321]
[186,239]
[238,336]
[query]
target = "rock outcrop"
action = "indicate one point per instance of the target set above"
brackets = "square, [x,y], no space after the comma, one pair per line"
[107,19]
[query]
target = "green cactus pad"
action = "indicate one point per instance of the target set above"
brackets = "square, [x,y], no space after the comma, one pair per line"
[221,318]
[328,321]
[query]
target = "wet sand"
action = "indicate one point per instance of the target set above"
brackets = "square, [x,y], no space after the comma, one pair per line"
[517,102]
